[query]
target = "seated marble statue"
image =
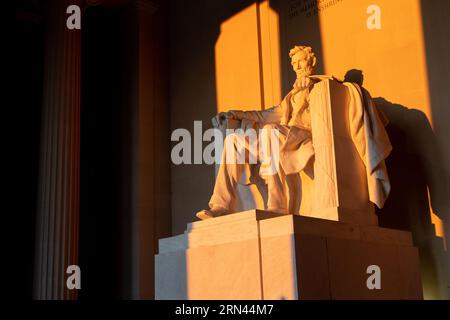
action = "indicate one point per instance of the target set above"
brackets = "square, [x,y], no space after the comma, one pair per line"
[291,119]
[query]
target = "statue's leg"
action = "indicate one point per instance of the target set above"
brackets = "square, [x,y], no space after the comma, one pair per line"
[230,170]
[276,181]
[277,191]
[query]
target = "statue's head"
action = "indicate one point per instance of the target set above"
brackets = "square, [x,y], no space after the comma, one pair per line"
[303,60]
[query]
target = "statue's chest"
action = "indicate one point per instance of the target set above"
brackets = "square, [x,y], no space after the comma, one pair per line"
[299,99]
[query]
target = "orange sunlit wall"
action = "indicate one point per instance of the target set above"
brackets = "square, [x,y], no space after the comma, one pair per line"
[247,60]
[392,56]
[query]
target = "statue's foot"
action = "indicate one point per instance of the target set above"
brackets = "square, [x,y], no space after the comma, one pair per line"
[280,211]
[215,211]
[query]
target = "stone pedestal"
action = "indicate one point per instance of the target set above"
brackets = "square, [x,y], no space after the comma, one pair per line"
[260,255]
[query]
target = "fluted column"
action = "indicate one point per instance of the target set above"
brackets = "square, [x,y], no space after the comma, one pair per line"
[58,198]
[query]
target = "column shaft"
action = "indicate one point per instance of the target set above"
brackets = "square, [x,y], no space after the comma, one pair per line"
[58,198]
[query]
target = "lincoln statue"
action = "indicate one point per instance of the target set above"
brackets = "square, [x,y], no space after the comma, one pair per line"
[291,120]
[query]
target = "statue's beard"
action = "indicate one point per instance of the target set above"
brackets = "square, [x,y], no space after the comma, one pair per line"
[304,73]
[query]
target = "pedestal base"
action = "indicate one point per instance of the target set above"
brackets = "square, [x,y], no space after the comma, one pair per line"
[260,255]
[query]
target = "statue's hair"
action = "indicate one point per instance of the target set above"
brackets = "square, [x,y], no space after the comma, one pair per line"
[310,56]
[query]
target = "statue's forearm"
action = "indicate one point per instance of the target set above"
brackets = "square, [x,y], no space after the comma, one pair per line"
[271,115]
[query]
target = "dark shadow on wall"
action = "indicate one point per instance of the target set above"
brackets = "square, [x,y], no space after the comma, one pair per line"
[414,166]
[355,76]
[125,156]
[24,108]
[105,187]
[194,30]
[435,25]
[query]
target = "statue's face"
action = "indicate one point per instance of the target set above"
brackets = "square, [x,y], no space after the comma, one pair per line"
[300,64]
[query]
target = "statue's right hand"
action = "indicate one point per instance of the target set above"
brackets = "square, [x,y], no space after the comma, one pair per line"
[221,117]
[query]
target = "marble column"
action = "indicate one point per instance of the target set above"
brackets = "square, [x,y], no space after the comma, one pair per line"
[58,196]
[151,149]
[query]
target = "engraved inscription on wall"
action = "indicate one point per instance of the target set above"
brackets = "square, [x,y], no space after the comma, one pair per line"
[309,8]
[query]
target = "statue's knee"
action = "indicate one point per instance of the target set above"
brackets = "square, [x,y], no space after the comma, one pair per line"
[269,126]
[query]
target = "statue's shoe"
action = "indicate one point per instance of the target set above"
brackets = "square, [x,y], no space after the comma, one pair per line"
[214,212]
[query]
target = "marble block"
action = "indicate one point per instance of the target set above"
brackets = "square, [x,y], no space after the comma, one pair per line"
[261,255]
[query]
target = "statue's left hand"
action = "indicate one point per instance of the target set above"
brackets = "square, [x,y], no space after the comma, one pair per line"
[302,83]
